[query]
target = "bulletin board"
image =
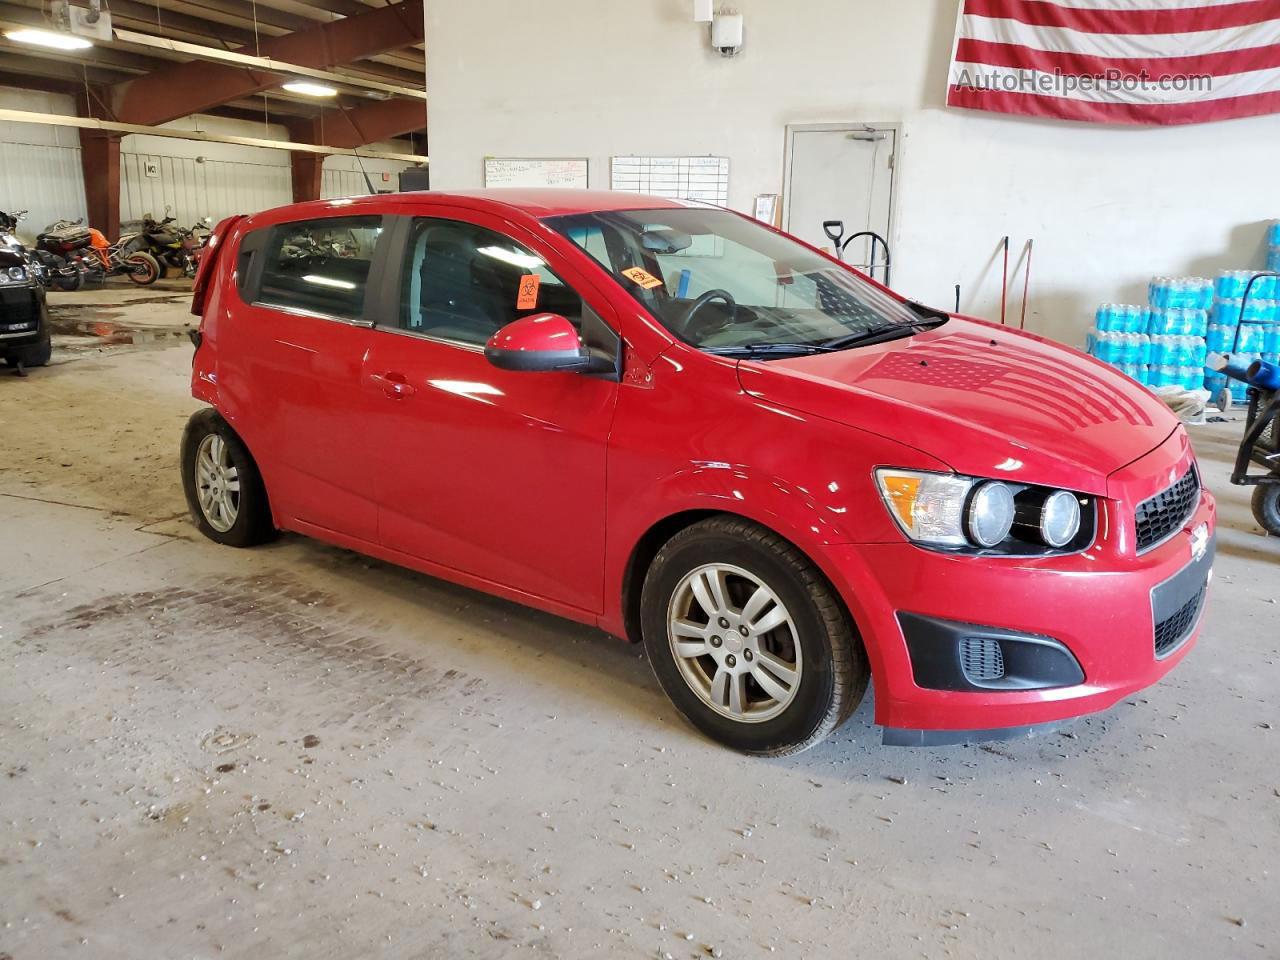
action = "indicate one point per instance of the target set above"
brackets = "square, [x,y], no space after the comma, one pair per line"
[569,172]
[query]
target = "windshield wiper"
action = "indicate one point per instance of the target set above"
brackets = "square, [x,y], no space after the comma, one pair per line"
[770,349]
[881,334]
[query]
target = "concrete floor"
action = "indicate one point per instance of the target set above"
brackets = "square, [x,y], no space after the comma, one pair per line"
[297,752]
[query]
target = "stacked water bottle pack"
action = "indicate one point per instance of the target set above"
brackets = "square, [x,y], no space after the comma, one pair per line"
[1160,345]
[1248,337]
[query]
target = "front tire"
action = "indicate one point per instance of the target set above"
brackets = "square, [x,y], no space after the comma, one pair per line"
[224,489]
[1266,507]
[749,640]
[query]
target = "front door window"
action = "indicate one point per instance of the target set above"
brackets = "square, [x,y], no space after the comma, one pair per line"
[464,283]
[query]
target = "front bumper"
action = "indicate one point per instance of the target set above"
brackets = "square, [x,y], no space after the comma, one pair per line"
[1100,605]
[21,316]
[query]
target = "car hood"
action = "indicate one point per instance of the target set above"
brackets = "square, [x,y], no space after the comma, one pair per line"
[984,399]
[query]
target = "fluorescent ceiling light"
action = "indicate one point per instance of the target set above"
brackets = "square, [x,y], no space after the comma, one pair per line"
[322,281]
[49,38]
[308,89]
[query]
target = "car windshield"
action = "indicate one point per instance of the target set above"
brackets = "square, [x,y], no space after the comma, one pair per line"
[726,284]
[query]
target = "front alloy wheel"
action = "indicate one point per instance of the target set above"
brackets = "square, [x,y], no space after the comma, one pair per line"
[734,642]
[749,639]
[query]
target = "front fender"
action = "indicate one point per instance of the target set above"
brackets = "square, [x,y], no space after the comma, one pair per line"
[807,479]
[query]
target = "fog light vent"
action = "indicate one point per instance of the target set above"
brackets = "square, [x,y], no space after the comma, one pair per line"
[981,659]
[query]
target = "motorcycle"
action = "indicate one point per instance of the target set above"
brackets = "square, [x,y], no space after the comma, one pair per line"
[99,257]
[47,268]
[174,245]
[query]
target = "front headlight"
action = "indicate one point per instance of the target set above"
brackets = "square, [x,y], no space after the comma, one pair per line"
[15,275]
[950,511]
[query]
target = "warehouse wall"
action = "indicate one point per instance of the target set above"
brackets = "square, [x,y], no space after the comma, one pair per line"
[1106,207]
[40,168]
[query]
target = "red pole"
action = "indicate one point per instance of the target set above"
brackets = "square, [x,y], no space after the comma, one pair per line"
[1004,282]
[1026,284]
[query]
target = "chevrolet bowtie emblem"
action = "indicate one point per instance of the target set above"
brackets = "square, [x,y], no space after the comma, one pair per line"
[1199,541]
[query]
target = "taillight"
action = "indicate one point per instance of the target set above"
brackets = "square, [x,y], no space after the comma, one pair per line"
[208,260]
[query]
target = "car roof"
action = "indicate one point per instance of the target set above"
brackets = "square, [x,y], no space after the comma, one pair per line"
[536,202]
[552,202]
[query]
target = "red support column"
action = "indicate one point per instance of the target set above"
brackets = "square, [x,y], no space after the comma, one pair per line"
[100,160]
[306,170]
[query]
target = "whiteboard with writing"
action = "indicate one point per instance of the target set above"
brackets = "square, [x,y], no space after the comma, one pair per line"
[535,172]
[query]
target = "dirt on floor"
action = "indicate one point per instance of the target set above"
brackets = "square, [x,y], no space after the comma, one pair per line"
[295,751]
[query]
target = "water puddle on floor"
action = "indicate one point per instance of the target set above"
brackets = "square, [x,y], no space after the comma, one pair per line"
[96,328]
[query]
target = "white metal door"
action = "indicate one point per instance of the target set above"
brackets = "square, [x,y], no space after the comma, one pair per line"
[840,172]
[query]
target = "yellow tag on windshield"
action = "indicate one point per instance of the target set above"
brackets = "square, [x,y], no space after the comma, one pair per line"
[642,278]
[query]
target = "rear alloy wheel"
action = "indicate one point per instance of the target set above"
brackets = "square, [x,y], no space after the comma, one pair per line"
[144,270]
[749,640]
[1266,507]
[225,493]
[217,483]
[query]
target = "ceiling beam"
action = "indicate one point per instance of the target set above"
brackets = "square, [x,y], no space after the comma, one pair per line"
[186,88]
[112,127]
[202,52]
[137,15]
[357,126]
[140,16]
[239,12]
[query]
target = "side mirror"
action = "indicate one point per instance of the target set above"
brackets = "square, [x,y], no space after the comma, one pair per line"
[541,343]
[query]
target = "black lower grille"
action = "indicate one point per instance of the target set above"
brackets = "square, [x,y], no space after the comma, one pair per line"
[1178,626]
[1161,516]
[981,659]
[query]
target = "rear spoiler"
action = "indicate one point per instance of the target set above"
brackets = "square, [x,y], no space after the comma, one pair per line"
[208,263]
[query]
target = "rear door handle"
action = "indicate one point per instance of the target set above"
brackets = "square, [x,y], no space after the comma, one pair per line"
[394,385]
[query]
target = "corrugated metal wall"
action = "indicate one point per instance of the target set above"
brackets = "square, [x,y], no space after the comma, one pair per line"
[42,178]
[195,188]
[344,183]
[40,169]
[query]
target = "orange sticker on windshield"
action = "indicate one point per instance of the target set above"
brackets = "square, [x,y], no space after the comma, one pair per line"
[642,278]
[527,297]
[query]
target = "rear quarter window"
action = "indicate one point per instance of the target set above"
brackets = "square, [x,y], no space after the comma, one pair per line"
[316,266]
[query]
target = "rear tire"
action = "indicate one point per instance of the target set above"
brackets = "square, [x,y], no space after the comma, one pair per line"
[1266,507]
[144,268]
[225,492]
[784,689]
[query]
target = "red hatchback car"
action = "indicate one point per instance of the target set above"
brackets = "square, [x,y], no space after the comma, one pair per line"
[690,429]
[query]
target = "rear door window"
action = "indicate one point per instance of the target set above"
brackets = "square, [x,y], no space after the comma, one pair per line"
[320,266]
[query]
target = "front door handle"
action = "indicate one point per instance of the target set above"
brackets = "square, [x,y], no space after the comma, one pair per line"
[394,385]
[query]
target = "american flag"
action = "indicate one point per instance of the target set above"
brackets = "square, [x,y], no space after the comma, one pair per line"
[1118,61]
